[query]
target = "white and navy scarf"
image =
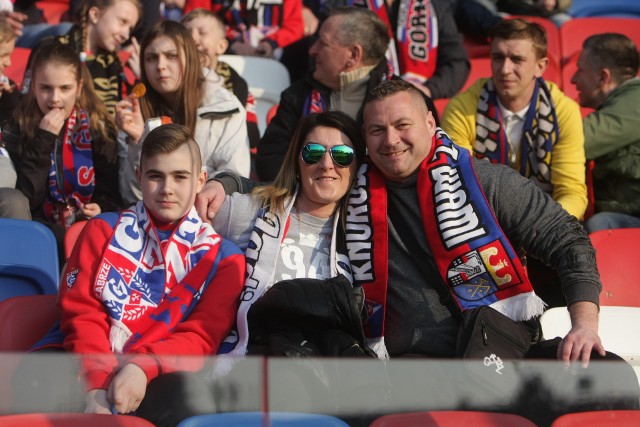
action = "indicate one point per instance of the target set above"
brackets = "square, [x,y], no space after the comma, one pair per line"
[269,230]
[539,134]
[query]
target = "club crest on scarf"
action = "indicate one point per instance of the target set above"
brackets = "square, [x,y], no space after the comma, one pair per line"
[471,275]
[136,258]
[477,260]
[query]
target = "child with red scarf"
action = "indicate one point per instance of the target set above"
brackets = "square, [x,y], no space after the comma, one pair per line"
[62,142]
[148,285]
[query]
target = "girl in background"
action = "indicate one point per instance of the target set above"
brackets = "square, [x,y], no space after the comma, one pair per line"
[62,142]
[104,26]
[177,88]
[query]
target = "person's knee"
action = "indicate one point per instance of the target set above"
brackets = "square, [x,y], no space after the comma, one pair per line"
[14,204]
[171,398]
[610,220]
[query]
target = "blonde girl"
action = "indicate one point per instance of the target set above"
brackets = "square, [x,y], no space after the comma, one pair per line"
[104,25]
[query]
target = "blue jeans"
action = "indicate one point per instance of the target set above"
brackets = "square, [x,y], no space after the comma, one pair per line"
[608,220]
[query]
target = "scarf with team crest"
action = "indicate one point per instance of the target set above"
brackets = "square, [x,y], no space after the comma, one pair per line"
[149,286]
[474,258]
[539,134]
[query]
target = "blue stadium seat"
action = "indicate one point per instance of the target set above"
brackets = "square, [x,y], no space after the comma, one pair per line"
[608,8]
[256,419]
[28,259]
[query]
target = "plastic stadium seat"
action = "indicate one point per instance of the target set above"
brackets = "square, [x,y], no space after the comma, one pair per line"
[72,420]
[617,325]
[19,59]
[452,419]
[575,31]
[24,320]
[266,77]
[616,251]
[28,259]
[615,8]
[71,236]
[257,419]
[476,48]
[599,419]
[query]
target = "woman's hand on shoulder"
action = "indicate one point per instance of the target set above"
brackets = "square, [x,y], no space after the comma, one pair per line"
[209,200]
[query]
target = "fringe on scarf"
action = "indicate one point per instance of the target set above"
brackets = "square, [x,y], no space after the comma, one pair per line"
[378,346]
[223,365]
[118,336]
[520,307]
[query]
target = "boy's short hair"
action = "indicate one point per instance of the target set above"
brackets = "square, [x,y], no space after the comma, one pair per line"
[6,32]
[168,138]
[203,13]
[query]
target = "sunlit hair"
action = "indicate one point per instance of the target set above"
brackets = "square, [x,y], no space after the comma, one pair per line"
[102,5]
[28,115]
[521,29]
[6,32]
[191,89]
[391,87]
[615,52]
[360,26]
[168,138]
[284,186]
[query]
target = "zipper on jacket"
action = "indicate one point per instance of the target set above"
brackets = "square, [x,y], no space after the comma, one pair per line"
[485,338]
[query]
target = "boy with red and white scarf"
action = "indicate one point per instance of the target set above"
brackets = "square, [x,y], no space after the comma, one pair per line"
[151,283]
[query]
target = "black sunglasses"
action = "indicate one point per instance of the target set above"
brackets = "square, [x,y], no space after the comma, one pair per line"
[312,153]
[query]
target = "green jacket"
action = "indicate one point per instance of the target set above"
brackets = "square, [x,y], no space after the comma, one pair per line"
[612,139]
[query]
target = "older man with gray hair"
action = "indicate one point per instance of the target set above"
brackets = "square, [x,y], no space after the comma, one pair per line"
[349,60]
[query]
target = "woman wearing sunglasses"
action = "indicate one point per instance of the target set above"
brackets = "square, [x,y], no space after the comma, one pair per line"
[293,234]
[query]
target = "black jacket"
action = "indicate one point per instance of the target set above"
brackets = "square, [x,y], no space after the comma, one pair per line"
[32,161]
[310,318]
[275,141]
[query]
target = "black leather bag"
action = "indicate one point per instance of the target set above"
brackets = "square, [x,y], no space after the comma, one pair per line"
[485,332]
